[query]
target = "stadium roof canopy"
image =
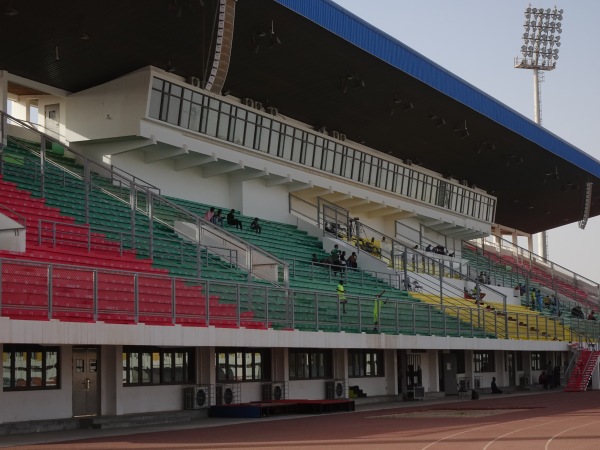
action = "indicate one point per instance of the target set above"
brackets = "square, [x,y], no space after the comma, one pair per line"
[320,64]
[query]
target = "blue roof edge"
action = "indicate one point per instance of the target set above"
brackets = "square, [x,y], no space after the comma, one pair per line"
[365,36]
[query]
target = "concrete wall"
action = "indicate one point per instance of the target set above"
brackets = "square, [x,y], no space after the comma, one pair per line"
[109,110]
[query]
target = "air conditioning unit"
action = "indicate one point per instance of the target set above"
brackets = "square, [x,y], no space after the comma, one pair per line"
[248,102]
[464,182]
[194,81]
[335,134]
[342,137]
[408,162]
[272,110]
[258,105]
[274,391]
[335,389]
[226,394]
[196,397]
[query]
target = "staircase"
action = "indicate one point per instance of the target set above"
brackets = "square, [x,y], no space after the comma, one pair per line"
[587,361]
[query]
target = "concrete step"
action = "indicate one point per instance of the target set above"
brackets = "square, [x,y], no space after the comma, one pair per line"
[135,420]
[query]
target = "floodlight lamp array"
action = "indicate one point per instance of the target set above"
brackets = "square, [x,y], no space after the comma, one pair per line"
[540,40]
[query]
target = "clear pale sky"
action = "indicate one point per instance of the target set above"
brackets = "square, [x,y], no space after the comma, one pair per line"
[478,40]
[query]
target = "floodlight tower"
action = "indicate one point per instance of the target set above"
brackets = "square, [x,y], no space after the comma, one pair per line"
[540,53]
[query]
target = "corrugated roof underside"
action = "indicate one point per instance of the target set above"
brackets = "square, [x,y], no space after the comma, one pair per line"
[377,43]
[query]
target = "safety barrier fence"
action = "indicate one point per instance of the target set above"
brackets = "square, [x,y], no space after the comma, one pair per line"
[142,199]
[44,291]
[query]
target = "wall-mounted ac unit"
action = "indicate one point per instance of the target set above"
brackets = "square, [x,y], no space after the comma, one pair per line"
[272,110]
[258,105]
[408,162]
[194,81]
[274,391]
[226,394]
[335,134]
[342,137]
[248,102]
[335,389]
[196,397]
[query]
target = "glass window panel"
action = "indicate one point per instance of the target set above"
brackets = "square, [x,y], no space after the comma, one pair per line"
[249,135]
[263,137]
[239,125]
[155,367]
[311,158]
[223,127]
[239,367]
[20,369]
[338,158]
[195,116]
[287,146]
[305,366]
[154,108]
[6,369]
[179,366]
[274,138]
[125,372]
[248,366]
[197,97]
[211,122]
[176,90]
[157,84]
[173,111]
[146,367]
[184,121]
[134,367]
[36,369]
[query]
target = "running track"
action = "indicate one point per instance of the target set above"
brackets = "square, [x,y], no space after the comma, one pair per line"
[549,421]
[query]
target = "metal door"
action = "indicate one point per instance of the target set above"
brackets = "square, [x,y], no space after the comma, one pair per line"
[52,120]
[86,366]
[450,372]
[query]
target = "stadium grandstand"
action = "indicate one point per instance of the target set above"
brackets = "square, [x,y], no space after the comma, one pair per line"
[120,294]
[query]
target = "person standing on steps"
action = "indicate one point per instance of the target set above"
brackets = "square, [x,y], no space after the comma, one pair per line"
[377,310]
[342,295]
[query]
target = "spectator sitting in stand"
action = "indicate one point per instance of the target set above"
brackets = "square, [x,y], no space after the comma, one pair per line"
[592,315]
[231,220]
[255,226]
[577,312]
[335,258]
[495,389]
[217,219]
[428,248]
[352,261]
[208,215]
[343,261]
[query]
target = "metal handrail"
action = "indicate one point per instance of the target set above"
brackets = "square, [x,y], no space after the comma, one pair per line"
[535,259]
[120,177]
[288,308]
[21,220]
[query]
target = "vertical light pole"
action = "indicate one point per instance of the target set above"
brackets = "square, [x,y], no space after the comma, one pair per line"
[540,53]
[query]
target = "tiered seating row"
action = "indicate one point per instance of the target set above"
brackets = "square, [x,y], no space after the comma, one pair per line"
[27,288]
